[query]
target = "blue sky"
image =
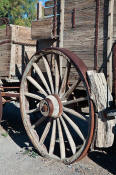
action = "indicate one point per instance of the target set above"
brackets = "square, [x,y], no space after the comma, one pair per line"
[43,1]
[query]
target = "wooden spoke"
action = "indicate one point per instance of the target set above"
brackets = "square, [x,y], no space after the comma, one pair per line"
[70,139]
[52,142]
[57,77]
[61,65]
[74,101]
[61,139]
[74,126]
[40,74]
[45,133]
[38,122]
[64,81]
[32,111]
[71,89]
[75,113]
[48,73]
[37,97]
[32,81]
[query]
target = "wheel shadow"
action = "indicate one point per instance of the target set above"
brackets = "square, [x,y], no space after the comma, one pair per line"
[12,123]
[106,158]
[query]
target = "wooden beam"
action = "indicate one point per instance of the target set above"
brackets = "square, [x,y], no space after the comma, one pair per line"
[39,10]
[61,34]
[109,43]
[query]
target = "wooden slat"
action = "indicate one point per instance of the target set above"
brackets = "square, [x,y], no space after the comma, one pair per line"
[42,29]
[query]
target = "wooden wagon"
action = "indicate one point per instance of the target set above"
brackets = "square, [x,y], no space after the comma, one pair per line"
[66,104]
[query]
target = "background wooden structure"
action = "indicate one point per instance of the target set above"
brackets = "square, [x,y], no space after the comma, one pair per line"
[16,46]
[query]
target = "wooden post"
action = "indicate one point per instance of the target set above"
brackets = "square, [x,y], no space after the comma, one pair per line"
[109,43]
[39,10]
[62,5]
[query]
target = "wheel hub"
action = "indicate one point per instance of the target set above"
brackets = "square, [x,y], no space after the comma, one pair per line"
[51,106]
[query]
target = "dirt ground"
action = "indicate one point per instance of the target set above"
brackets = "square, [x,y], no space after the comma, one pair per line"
[18,157]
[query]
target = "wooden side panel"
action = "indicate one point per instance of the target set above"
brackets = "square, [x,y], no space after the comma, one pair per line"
[42,29]
[4,35]
[81,39]
[21,34]
[22,56]
[12,55]
[5,55]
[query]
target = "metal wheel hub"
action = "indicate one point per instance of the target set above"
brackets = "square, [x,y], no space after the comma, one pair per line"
[51,106]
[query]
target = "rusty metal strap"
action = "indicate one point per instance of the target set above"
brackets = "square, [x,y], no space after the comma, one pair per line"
[5,42]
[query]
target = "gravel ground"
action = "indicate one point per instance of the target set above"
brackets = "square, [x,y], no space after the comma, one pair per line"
[17,156]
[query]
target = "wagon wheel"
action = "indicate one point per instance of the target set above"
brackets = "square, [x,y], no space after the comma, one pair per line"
[0,107]
[55,106]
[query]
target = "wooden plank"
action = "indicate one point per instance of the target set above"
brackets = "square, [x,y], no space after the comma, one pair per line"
[102,98]
[21,34]
[42,29]
[48,11]
[109,43]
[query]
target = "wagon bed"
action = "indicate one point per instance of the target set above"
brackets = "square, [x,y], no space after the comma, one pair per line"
[16,45]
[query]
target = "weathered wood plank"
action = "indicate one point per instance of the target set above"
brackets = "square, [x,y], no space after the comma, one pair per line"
[102,98]
[42,29]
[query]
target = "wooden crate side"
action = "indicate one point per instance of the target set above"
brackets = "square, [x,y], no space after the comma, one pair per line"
[5,36]
[42,29]
[81,39]
[5,55]
[22,56]
[21,35]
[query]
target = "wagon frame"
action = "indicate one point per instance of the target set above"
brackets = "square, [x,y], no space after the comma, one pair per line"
[62,109]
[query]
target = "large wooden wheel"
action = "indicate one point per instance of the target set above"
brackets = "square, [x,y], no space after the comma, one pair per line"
[55,106]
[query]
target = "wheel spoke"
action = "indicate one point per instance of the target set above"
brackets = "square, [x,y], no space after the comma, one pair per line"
[32,81]
[38,122]
[75,113]
[70,139]
[52,142]
[61,139]
[45,133]
[32,111]
[74,126]
[64,81]
[33,96]
[71,89]
[74,101]
[57,77]
[40,74]
[48,73]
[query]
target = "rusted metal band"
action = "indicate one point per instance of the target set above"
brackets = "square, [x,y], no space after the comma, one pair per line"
[5,42]
[73,18]
[60,105]
[51,107]
[5,21]
[38,11]
[55,18]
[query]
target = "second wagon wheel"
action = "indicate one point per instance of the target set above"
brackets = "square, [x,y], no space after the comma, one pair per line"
[55,106]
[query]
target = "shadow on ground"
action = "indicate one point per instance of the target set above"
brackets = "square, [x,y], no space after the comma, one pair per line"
[12,122]
[106,158]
